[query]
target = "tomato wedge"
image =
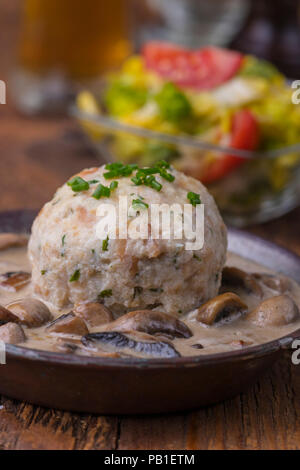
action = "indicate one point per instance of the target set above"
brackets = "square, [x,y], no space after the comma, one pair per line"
[201,69]
[245,136]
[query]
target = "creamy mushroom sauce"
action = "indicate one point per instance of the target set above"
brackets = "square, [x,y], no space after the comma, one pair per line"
[220,337]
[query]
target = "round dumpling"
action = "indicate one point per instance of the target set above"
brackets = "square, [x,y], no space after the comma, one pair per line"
[70,264]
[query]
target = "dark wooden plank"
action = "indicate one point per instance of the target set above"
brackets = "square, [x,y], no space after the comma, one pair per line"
[165,432]
[263,418]
[37,156]
[27,427]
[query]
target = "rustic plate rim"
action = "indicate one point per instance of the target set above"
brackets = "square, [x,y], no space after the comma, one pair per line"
[284,342]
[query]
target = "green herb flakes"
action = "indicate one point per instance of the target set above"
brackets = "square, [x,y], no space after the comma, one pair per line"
[105,244]
[78,184]
[104,191]
[194,198]
[75,276]
[105,293]
[115,170]
[139,204]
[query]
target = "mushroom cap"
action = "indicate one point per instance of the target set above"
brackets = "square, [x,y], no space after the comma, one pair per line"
[220,307]
[237,280]
[276,311]
[12,333]
[93,313]
[68,324]
[151,322]
[30,312]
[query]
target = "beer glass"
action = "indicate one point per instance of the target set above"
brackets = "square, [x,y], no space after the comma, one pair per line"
[65,43]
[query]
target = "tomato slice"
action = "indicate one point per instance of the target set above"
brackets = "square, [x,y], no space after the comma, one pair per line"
[245,136]
[201,69]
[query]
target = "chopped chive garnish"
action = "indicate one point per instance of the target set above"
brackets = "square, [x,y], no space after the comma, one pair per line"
[116,170]
[167,176]
[93,251]
[63,240]
[104,191]
[101,191]
[78,184]
[105,293]
[148,180]
[105,244]
[93,181]
[152,183]
[194,198]
[113,185]
[139,204]
[163,164]
[75,276]
[137,181]
[43,272]
[197,257]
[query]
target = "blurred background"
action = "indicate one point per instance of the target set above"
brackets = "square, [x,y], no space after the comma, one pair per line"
[51,50]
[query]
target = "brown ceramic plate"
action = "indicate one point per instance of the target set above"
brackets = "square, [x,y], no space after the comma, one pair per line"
[126,386]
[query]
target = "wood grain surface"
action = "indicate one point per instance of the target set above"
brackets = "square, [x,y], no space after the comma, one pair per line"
[36,156]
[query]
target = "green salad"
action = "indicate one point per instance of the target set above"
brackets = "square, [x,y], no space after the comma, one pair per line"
[214,95]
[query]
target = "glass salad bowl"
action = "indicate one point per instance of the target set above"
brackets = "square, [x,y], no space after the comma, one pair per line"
[264,186]
[222,117]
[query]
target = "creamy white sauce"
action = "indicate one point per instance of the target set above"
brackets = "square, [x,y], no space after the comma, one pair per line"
[217,338]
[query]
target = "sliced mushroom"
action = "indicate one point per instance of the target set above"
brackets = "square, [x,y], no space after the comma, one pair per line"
[14,281]
[68,324]
[30,312]
[151,322]
[11,240]
[275,311]
[235,279]
[140,343]
[7,316]
[73,348]
[12,333]
[221,307]
[277,283]
[93,313]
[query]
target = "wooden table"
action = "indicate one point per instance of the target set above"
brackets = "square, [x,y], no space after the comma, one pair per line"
[36,156]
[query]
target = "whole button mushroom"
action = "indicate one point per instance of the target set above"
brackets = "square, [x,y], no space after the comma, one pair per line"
[30,312]
[12,333]
[275,311]
[93,313]
[151,322]
[7,316]
[236,279]
[221,307]
[279,284]
[68,324]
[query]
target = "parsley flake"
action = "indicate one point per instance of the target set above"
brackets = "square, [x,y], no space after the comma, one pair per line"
[194,198]
[75,276]
[78,184]
[105,293]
